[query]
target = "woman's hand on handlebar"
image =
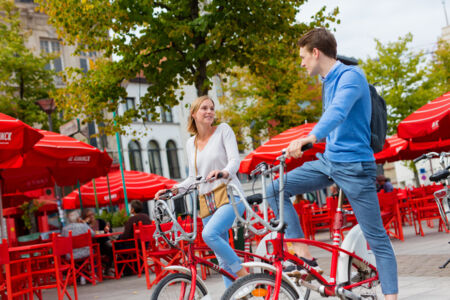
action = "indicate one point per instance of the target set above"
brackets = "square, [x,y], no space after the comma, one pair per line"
[295,147]
[213,175]
[163,191]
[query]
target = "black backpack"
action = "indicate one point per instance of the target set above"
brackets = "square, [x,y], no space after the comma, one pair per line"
[378,119]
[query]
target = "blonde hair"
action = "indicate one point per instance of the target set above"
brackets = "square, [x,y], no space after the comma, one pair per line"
[191,127]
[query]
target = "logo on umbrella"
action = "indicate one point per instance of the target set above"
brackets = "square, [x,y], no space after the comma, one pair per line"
[85,158]
[5,136]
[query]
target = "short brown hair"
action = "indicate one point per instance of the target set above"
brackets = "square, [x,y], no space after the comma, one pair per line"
[137,206]
[191,127]
[321,39]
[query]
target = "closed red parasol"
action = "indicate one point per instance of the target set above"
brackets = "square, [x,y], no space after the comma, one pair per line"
[431,122]
[139,185]
[269,151]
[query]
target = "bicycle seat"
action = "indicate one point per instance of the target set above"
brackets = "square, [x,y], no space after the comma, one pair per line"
[438,176]
[255,199]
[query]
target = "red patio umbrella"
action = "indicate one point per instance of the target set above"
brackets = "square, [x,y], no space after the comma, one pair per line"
[139,185]
[16,138]
[431,122]
[391,150]
[269,151]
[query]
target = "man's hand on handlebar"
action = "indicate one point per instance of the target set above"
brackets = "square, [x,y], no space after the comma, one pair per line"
[174,191]
[217,174]
[295,147]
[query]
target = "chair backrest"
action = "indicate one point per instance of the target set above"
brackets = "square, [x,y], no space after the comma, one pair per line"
[388,201]
[146,232]
[82,240]
[62,245]
[4,254]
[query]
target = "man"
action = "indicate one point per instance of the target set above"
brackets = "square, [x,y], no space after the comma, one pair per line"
[348,159]
[138,216]
[384,184]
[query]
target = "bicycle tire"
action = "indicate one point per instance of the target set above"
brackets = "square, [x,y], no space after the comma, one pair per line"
[356,274]
[170,285]
[248,287]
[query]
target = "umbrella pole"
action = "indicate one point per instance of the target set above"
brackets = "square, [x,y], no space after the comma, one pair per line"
[109,194]
[119,148]
[4,234]
[58,204]
[97,210]
[79,195]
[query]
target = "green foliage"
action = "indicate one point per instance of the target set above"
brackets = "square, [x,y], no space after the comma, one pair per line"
[23,75]
[116,219]
[174,43]
[29,208]
[406,79]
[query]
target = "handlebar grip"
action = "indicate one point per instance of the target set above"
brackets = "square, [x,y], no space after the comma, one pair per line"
[419,158]
[178,197]
[307,147]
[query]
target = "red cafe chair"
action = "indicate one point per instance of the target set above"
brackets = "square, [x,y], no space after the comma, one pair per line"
[15,276]
[390,214]
[89,267]
[156,257]
[126,255]
[60,273]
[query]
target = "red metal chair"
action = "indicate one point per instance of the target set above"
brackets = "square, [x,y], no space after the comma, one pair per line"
[89,267]
[126,255]
[425,209]
[60,273]
[156,258]
[390,214]
[16,281]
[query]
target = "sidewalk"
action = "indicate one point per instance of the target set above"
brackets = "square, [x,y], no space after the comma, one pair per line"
[418,260]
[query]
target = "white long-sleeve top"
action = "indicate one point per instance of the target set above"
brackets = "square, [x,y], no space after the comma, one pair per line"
[220,153]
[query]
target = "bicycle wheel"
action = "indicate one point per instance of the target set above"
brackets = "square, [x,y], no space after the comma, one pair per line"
[177,286]
[358,271]
[258,286]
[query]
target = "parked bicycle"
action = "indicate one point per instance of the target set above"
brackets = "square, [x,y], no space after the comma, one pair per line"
[442,196]
[353,273]
[186,283]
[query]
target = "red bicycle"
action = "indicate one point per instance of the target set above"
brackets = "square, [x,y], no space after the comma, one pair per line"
[353,274]
[185,282]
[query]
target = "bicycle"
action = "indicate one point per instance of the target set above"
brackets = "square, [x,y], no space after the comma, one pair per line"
[185,283]
[442,196]
[353,272]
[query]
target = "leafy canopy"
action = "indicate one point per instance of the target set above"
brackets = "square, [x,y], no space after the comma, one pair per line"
[24,77]
[174,43]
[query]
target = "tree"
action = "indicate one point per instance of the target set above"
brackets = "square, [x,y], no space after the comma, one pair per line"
[401,73]
[280,95]
[24,77]
[174,43]
[439,76]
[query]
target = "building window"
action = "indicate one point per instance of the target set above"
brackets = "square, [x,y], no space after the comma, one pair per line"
[52,46]
[154,158]
[130,104]
[84,60]
[166,115]
[172,159]
[135,156]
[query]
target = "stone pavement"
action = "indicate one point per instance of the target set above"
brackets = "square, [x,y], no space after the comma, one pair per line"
[418,260]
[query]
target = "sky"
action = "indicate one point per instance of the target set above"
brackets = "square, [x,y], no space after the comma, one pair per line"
[386,20]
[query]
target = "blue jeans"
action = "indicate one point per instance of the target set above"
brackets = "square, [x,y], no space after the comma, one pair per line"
[215,235]
[357,180]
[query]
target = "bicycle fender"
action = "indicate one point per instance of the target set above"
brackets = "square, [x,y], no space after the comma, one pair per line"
[270,268]
[185,270]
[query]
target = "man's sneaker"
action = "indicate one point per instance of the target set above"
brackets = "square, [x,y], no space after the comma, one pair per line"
[294,270]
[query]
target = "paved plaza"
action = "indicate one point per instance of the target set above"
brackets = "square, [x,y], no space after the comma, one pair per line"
[418,259]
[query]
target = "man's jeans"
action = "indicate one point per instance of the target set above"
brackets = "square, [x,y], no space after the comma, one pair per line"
[215,235]
[357,180]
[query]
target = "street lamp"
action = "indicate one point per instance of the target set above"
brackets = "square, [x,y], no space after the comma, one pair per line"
[48,106]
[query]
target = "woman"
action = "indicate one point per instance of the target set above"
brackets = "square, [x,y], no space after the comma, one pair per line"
[213,149]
